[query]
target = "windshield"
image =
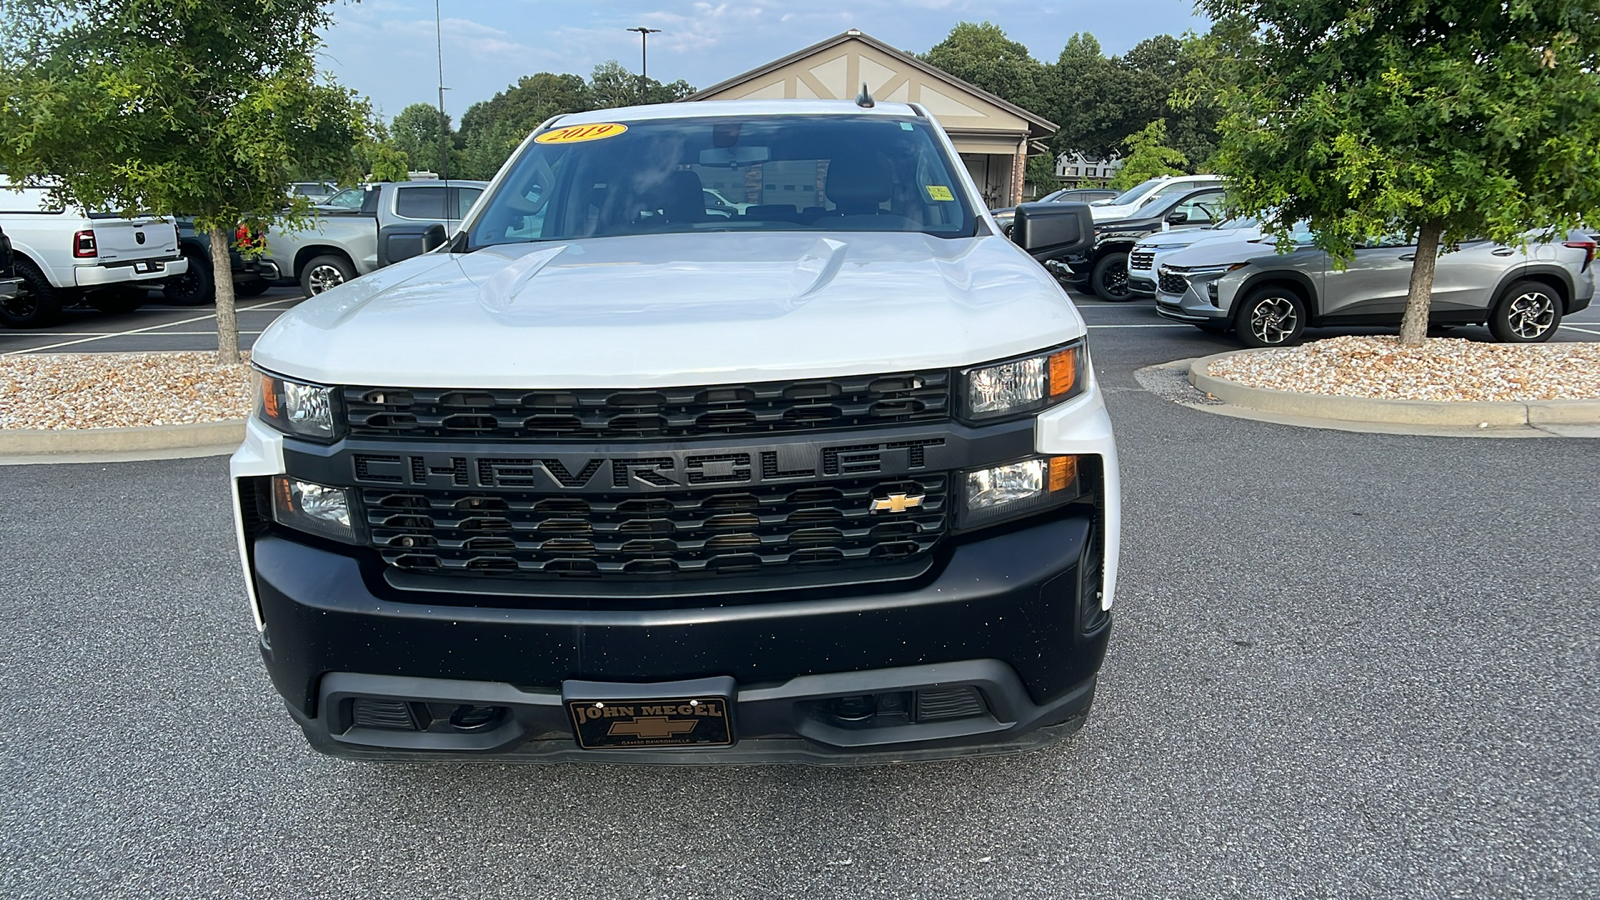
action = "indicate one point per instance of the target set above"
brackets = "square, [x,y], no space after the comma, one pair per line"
[349,198]
[788,173]
[1133,194]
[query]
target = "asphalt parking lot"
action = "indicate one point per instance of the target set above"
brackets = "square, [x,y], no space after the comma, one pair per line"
[1343,665]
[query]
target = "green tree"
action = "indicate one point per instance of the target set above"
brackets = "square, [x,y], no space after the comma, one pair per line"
[492,129]
[1081,96]
[1041,173]
[386,162]
[1148,157]
[173,107]
[611,85]
[416,134]
[1450,119]
[981,54]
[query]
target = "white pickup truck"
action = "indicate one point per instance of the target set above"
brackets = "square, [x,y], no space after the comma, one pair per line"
[625,473]
[65,255]
[340,245]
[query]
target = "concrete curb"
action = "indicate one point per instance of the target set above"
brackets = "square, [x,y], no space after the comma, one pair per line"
[1400,412]
[121,440]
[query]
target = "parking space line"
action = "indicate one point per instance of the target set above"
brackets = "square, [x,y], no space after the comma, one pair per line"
[140,330]
[1584,330]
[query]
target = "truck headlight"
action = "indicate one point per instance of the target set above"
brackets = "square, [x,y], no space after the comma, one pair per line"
[997,493]
[1026,384]
[296,407]
[313,508]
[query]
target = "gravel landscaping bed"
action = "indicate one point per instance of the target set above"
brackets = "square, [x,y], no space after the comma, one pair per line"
[1441,369]
[118,390]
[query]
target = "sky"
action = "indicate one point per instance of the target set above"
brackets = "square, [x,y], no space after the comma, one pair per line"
[385,49]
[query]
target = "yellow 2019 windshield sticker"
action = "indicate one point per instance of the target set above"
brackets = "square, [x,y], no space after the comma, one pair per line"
[939,192]
[574,134]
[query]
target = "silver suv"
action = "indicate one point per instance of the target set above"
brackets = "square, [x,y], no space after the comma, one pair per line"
[1269,299]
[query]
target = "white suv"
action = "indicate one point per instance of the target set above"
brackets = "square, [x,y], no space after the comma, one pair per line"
[64,254]
[1121,207]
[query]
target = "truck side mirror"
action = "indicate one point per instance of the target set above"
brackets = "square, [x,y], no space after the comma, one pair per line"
[1177,217]
[1053,230]
[397,242]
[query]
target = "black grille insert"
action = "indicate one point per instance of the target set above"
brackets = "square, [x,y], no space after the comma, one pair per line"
[1172,283]
[587,415]
[709,533]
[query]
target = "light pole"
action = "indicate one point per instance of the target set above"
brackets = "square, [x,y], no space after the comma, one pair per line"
[644,56]
[444,123]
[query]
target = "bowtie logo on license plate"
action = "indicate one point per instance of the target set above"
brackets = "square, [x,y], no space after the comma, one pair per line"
[898,503]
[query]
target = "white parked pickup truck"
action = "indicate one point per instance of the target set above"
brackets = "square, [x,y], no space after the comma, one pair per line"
[623,473]
[65,255]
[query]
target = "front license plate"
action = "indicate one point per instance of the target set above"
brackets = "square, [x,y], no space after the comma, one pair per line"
[624,724]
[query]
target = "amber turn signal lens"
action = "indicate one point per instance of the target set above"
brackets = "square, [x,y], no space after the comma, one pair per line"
[1063,471]
[269,396]
[1063,371]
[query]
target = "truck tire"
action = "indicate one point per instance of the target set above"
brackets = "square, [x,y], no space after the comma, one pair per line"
[119,300]
[1110,278]
[36,304]
[1529,312]
[196,286]
[325,273]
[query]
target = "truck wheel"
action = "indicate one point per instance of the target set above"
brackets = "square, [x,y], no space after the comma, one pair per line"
[118,300]
[37,302]
[325,273]
[1110,278]
[1271,317]
[194,287]
[253,288]
[1528,312]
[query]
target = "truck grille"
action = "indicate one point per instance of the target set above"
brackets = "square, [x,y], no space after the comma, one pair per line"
[1142,259]
[651,413]
[1172,283]
[687,533]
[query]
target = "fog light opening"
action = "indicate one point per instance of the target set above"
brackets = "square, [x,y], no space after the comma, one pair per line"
[470,719]
[855,710]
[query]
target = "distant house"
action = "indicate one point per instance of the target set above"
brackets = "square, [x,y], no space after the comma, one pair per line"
[1073,168]
[994,137]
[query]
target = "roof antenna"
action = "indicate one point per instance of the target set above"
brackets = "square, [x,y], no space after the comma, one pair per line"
[864,99]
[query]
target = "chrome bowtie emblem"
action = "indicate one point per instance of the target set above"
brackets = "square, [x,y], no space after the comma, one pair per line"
[897,503]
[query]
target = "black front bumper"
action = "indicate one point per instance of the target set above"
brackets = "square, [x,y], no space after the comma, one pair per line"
[1014,615]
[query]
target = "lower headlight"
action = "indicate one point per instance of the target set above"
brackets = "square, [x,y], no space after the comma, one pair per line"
[313,508]
[1003,492]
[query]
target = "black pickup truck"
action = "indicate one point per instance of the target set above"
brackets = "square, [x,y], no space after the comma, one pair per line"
[1104,269]
[196,287]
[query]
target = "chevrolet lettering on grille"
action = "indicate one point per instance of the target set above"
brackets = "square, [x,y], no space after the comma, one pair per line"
[652,470]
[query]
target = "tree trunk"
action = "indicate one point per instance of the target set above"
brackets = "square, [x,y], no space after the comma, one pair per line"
[1414,327]
[222,275]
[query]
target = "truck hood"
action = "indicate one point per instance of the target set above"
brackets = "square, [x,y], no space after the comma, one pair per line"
[659,310]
